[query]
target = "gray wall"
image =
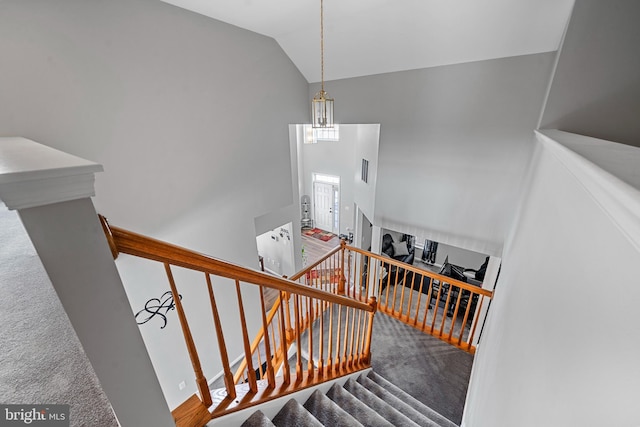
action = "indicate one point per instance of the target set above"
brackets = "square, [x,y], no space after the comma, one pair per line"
[189,117]
[454,142]
[596,87]
[166,99]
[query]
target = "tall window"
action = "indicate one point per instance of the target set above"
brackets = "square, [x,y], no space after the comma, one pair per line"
[313,135]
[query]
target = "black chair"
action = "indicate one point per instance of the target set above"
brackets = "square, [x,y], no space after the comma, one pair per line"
[407,257]
[455,272]
[480,272]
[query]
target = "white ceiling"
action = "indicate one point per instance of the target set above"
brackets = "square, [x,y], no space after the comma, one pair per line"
[364,37]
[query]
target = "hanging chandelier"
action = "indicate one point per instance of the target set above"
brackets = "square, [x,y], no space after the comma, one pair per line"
[322,105]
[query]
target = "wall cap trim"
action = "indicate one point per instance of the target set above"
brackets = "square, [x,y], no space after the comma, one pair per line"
[607,170]
[33,174]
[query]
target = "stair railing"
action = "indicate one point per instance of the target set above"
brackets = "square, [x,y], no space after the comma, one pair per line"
[404,292]
[302,309]
[323,274]
[439,305]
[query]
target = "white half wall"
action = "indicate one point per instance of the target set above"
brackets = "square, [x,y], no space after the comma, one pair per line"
[558,348]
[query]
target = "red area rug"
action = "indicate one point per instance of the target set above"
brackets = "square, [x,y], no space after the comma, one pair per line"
[325,275]
[319,234]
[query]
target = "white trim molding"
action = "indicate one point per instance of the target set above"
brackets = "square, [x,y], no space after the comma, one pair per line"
[608,172]
[32,174]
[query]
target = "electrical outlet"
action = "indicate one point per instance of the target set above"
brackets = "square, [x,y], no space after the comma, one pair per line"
[182,385]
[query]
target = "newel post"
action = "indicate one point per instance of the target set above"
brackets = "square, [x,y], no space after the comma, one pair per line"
[373,303]
[52,191]
[284,301]
[342,280]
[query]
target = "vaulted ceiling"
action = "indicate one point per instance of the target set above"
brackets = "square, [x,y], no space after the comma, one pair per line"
[365,37]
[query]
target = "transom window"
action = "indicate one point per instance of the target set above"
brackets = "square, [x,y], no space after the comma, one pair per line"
[313,135]
[329,179]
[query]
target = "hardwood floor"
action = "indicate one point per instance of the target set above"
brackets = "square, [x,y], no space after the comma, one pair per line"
[316,248]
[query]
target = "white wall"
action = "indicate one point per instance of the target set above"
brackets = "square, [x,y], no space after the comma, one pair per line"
[332,158]
[558,347]
[366,147]
[276,248]
[344,159]
[457,256]
[189,117]
[556,350]
[454,142]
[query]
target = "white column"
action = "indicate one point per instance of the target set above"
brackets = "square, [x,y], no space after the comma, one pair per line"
[51,191]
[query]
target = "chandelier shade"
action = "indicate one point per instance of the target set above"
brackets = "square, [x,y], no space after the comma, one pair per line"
[322,108]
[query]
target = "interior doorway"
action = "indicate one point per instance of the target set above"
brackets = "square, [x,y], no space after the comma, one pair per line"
[326,202]
[365,232]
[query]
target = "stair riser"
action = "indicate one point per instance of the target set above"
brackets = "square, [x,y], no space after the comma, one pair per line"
[366,401]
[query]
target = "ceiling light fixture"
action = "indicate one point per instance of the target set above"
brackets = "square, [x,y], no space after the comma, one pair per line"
[322,106]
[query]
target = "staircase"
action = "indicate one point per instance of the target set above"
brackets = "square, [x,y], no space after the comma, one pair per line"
[370,400]
[324,315]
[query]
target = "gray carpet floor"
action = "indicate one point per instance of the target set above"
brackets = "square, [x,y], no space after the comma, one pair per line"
[414,304]
[432,371]
[435,373]
[41,358]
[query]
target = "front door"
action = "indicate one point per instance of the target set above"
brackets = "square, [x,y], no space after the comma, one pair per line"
[326,210]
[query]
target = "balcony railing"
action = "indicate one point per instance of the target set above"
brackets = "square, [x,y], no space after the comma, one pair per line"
[439,305]
[329,333]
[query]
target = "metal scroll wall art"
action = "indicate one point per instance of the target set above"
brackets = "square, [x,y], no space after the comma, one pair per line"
[157,307]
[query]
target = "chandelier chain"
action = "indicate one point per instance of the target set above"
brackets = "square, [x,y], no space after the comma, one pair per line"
[322,46]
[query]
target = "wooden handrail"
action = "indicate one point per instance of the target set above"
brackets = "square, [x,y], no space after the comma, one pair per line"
[308,268]
[436,276]
[457,305]
[131,243]
[310,300]
[320,301]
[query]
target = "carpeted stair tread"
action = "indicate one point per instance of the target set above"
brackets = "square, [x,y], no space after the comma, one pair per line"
[357,408]
[294,414]
[386,411]
[404,408]
[328,412]
[407,398]
[369,400]
[257,419]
